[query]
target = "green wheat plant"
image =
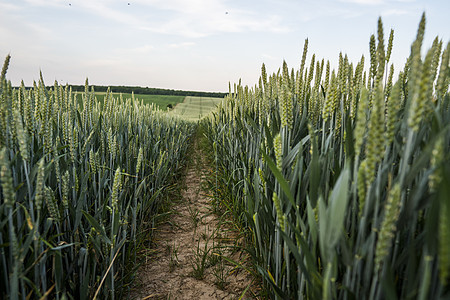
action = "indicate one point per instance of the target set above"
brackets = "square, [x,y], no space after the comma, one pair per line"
[342,176]
[79,178]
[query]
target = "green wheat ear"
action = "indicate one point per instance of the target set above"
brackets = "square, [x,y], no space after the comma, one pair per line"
[437,159]
[361,121]
[22,136]
[393,106]
[381,55]
[51,204]
[389,47]
[388,88]
[65,190]
[264,74]
[361,185]
[285,103]
[116,188]
[444,242]
[279,210]
[388,226]
[327,76]
[40,181]
[92,161]
[5,67]
[139,160]
[278,151]
[261,177]
[376,136]
[6,179]
[421,104]
[331,98]
[373,59]
[443,78]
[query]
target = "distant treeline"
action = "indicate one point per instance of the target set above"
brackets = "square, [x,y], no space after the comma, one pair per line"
[149,91]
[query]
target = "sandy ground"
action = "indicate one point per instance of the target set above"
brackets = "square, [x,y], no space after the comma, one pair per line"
[180,245]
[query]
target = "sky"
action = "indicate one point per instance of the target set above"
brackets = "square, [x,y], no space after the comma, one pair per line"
[199,45]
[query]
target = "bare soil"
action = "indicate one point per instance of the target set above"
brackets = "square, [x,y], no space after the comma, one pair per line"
[192,249]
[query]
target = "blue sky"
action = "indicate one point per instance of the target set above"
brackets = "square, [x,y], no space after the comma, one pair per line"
[198,44]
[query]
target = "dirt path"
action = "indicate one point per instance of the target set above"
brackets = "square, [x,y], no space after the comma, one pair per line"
[188,262]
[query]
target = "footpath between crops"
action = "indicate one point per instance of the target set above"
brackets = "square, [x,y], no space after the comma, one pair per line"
[193,248]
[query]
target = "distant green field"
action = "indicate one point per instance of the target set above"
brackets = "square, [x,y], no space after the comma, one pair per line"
[188,107]
[160,100]
[195,108]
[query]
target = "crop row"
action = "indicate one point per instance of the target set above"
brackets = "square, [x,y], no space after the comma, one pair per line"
[342,176]
[79,185]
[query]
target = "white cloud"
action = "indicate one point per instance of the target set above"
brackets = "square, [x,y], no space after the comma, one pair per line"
[192,6]
[14,25]
[266,56]
[114,62]
[396,12]
[199,25]
[365,2]
[377,2]
[142,49]
[102,10]
[41,2]
[182,45]
[8,7]
[193,19]
[48,3]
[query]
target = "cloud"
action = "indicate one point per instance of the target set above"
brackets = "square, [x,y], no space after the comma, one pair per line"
[378,2]
[199,25]
[182,45]
[16,25]
[113,62]
[8,7]
[103,10]
[192,6]
[54,3]
[142,49]
[266,56]
[396,12]
[365,2]
[192,19]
